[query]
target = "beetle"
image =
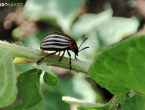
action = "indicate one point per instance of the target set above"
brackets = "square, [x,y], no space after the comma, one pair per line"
[57,41]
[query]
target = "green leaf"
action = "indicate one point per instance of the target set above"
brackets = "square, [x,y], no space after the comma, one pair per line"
[52,101]
[120,68]
[29,88]
[64,11]
[114,29]
[18,105]
[105,29]
[82,105]
[8,89]
[132,101]
[87,22]
[49,77]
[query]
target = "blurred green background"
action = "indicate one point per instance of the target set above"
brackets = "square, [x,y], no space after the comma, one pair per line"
[104,22]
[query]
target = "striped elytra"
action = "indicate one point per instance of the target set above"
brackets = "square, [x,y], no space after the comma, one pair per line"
[58,42]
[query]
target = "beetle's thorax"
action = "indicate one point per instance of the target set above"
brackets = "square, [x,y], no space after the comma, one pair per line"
[73,46]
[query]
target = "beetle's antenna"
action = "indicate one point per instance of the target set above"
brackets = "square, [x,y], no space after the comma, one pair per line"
[83,42]
[83,48]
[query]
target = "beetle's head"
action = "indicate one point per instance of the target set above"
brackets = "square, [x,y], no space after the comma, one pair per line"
[76,51]
[75,48]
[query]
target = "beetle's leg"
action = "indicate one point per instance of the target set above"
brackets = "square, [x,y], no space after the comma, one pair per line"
[39,61]
[69,60]
[76,57]
[59,52]
[61,56]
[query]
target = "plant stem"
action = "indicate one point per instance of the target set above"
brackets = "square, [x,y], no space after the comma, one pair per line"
[114,102]
[32,56]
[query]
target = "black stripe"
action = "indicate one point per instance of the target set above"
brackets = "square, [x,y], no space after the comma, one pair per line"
[54,41]
[58,44]
[58,37]
[53,49]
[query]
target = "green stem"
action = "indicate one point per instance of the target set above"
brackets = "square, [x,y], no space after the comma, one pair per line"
[34,55]
[114,102]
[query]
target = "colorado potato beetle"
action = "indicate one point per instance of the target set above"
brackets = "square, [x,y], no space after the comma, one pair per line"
[58,42]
